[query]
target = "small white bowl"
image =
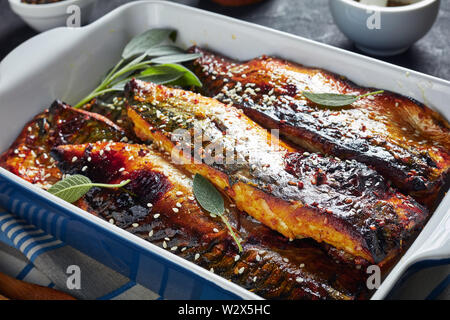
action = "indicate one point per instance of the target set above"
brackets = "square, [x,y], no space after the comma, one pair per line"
[43,17]
[398,27]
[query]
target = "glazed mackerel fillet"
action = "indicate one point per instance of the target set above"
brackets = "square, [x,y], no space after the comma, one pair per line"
[402,139]
[159,206]
[29,156]
[342,203]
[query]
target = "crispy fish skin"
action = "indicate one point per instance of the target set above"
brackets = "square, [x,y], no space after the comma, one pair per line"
[269,265]
[401,138]
[29,155]
[344,204]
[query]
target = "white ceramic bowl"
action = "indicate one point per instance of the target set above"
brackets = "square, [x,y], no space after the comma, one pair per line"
[387,30]
[43,17]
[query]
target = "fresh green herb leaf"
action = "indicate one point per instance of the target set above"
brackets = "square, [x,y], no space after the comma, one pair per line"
[207,195]
[163,78]
[335,100]
[147,40]
[174,74]
[135,63]
[212,201]
[163,50]
[176,58]
[187,77]
[230,230]
[74,187]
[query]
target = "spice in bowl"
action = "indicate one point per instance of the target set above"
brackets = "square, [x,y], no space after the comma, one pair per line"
[387,3]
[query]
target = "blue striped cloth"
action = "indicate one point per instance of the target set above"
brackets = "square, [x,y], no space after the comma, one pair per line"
[28,253]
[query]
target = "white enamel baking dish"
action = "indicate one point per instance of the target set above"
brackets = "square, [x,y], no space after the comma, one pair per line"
[67,63]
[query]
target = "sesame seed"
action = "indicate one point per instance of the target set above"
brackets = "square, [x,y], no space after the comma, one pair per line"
[165,245]
[215,230]
[89,159]
[255,278]
[258,258]
[135,225]
[191,198]
[241,270]
[121,169]
[149,205]
[286,260]
[178,205]
[179,193]
[183,249]
[299,280]
[156,216]
[74,159]
[174,248]
[84,168]
[197,255]
[150,234]
[302,265]
[212,270]
[237,257]
[111,221]
[176,210]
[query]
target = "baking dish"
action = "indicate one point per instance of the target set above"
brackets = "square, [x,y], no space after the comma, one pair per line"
[67,63]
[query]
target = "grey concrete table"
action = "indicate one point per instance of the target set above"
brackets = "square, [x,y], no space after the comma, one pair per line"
[310,19]
[307,18]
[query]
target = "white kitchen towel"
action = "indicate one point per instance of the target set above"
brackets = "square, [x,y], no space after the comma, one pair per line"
[28,253]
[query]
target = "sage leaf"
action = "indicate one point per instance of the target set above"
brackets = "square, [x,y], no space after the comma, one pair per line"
[147,40]
[136,63]
[163,50]
[176,58]
[334,99]
[174,74]
[74,187]
[212,201]
[188,78]
[161,78]
[207,195]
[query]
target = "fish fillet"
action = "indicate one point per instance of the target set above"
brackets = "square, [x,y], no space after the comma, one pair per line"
[343,203]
